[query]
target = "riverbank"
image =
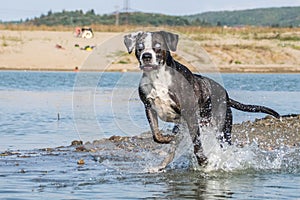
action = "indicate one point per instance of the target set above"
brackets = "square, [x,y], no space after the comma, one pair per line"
[230,52]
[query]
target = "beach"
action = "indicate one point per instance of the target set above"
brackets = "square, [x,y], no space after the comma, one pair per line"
[229,52]
[45,50]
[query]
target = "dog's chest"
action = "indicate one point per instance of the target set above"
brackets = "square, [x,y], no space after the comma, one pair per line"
[157,90]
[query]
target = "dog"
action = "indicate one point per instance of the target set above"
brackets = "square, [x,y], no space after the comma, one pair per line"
[170,91]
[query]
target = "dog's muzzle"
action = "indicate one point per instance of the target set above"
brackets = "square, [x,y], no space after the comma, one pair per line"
[149,67]
[147,57]
[147,62]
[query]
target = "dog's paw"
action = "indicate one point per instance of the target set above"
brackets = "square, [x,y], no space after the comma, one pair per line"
[202,160]
[156,170]
[164,139]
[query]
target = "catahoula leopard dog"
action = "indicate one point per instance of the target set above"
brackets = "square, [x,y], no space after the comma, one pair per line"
[170,91]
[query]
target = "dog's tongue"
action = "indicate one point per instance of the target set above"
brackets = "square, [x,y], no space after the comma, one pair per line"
[149,67]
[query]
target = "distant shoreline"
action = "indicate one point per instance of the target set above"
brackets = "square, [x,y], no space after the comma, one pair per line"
[227,71]
[62,51]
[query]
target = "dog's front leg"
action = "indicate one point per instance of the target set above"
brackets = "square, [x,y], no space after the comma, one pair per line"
[153,122]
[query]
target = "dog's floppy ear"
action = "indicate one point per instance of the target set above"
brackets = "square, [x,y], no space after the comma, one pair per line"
[130,40]
[171,40]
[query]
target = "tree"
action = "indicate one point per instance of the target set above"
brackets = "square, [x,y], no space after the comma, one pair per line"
[90,12]
[49,13]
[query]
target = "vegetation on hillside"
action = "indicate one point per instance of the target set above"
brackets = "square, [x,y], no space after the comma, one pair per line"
[273,17]
[79,18]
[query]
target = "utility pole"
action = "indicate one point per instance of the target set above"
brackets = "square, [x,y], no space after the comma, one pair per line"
[117,16]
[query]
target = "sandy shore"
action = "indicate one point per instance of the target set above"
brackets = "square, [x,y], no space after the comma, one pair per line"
[49,50]
[45,50]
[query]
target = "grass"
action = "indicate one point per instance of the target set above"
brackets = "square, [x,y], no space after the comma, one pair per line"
[182,29]
[4,43]
[96,27]
[278,36]
[6,40]
[294,38]
[296,47]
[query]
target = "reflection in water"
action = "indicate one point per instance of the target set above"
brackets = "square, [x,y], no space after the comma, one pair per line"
[43,172]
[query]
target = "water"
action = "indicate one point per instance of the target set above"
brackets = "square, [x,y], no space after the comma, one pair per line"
[50,109]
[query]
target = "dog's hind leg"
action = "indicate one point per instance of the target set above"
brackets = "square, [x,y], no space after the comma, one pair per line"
[194,130]
[198,151]
[228,126]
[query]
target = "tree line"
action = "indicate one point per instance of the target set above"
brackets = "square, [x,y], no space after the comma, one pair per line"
[275,17]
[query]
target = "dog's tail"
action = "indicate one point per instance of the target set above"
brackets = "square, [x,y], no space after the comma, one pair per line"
[252,108]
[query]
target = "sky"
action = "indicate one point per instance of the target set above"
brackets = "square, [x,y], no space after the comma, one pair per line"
[26,9]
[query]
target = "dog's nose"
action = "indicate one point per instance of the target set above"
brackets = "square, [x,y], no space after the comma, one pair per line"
[147,56]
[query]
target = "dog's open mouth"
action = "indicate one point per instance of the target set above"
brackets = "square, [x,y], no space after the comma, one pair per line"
[149,67]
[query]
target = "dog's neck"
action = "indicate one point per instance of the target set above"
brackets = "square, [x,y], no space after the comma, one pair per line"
[179,68]
[169,59]
[156,74]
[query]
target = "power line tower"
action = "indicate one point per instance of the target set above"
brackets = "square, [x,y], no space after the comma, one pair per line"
[126,11]
[126,5]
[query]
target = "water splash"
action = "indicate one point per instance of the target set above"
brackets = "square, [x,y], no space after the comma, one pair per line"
[250,157]
[140,154]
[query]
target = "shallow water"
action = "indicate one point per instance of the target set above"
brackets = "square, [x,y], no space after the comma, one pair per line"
[50,109]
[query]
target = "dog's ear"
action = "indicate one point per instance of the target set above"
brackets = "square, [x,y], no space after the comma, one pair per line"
[130,40]
[171,40]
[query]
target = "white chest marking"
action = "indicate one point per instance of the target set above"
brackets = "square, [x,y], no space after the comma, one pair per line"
[161,99]
[161,82]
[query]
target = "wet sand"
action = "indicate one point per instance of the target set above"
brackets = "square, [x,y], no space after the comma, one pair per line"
[120,152]
[267,133]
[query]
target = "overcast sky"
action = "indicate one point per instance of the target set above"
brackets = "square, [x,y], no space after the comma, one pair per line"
[23,9]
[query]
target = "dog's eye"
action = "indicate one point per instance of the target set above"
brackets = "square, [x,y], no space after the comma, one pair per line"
[157,46]
[140,46]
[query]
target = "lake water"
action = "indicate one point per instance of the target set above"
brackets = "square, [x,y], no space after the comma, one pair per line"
[50,109]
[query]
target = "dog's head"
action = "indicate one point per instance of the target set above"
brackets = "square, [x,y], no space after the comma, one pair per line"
[151,48]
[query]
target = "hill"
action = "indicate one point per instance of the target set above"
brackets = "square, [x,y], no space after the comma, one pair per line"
[79,18]
[275,17]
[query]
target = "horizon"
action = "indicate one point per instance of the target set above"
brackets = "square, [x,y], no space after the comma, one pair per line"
[16,10]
